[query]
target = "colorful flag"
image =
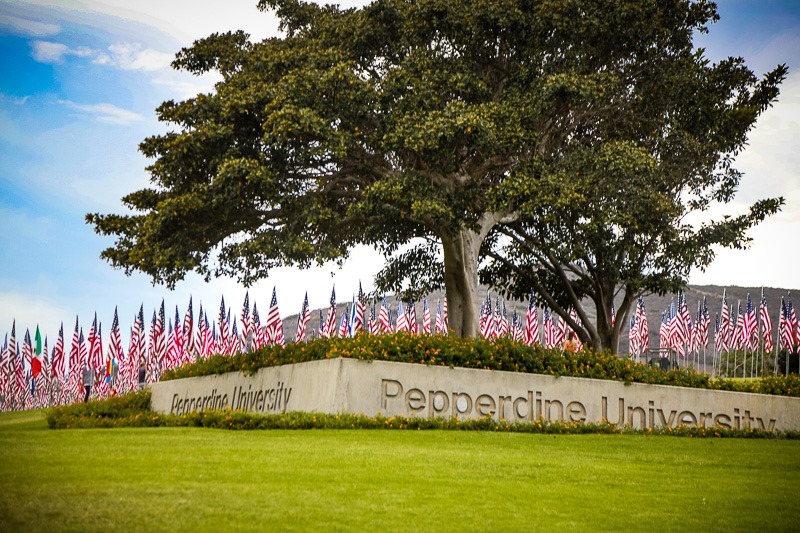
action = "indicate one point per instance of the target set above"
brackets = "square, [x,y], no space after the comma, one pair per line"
[36,361]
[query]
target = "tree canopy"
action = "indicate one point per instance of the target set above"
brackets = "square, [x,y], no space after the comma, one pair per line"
[557,145]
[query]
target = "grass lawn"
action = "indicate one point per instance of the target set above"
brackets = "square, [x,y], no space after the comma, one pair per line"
[190,479]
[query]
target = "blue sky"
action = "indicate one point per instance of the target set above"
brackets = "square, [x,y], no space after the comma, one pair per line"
[81,80]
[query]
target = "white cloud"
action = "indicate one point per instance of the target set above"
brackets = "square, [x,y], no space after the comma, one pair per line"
[130,56]
[49,52]
[27,26]
[105,112]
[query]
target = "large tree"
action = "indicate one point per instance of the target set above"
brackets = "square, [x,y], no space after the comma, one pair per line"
[447,121]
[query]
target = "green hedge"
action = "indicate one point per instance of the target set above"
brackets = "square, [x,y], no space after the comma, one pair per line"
[497,354]
[133,410]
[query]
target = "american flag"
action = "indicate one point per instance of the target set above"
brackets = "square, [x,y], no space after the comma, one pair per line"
[560,327]
[374,326]
[343,326]
[199,340]
[633,337]
[161,341]
[330,324]
[302,321]
[115,339]
[739,333]
[359,310]
[531,324]
[209,338]
[190,346]
[677,335]
[383,316]
[274,325]
[413,325]
[259,334]
[95,346]
[519,333]
[151,353]
[706,323]
[224,332]
[172,357]
[233,341]
[785,337]
[717,336]
[142,337]
[439,323]
[724,325]
[766,324]
[322,332]
[664,338]
[426,316]
[27,348]
[550,340]
[487,323]
[177,353]
[58,354]
[644,330]
[750,325]
[402,318]
[83,349]
[247,321]
[791,317]
[445,317]
[685,321]
[503,329]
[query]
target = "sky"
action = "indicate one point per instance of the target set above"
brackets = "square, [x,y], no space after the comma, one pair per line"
[79,84]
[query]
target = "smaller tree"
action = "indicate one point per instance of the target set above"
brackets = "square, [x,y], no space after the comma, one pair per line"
[612,216]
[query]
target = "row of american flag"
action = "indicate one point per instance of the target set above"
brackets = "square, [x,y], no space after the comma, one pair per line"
[736,329]
[32,376]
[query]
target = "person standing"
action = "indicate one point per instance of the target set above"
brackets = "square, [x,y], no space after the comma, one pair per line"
[88,381]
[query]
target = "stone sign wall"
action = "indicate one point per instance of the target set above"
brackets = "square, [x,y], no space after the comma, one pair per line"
[392,389]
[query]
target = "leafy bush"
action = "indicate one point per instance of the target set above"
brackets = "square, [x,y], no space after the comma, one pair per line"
[133,410]
[497,354]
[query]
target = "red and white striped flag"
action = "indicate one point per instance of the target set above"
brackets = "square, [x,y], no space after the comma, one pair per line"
[302,321]
[274,325]
[402,318]
[531,323]
[426,316]
[383,316]
[724,325]
[766,324]
[329,329]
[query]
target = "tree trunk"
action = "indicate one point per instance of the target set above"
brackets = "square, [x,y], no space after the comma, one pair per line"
[461,280]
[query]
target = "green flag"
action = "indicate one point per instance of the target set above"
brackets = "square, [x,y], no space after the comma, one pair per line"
[38,340]
[36,362]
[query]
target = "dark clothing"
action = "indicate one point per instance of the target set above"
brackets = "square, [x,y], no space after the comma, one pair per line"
[88,382]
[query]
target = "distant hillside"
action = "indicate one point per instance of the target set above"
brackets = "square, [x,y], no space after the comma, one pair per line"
[654,304]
